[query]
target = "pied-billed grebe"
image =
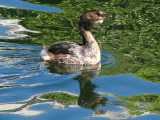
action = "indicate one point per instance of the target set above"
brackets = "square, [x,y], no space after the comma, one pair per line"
[74,53]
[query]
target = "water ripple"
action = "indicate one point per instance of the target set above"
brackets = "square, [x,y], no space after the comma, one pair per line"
[15,31]
[17,62]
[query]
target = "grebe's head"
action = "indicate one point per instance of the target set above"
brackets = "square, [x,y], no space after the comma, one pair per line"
[93,17]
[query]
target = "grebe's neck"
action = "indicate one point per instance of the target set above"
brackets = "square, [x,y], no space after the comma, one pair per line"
[91,47]
[87,36]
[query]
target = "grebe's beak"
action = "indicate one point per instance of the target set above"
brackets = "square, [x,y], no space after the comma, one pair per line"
[105,15]
[108,16]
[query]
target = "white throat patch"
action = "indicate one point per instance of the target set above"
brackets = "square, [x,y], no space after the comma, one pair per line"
[101,21]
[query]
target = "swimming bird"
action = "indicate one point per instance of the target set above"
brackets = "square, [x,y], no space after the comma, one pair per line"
[87,53]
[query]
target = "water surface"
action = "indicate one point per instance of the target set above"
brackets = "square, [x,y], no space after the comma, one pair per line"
[24,5]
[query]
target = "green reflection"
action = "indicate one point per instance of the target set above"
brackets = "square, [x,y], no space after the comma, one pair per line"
[60,97]
[140,104]
[133,33]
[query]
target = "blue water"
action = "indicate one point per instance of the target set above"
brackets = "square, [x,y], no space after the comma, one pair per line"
[24,5]
[24,76]
[2,31]
[126,85]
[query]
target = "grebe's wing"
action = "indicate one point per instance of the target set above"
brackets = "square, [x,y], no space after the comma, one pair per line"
[64,48]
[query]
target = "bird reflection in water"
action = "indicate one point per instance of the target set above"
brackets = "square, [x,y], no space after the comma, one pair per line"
[87,98]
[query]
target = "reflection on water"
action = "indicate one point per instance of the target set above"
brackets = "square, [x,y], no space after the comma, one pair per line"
[15,60]
[24,5]
[24,108]
[15,31]
[88,98]
[5,6]
[22,72]
[70,69]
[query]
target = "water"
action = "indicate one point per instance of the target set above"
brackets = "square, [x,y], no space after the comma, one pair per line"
[23,75]
[24,5]
[118,89]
